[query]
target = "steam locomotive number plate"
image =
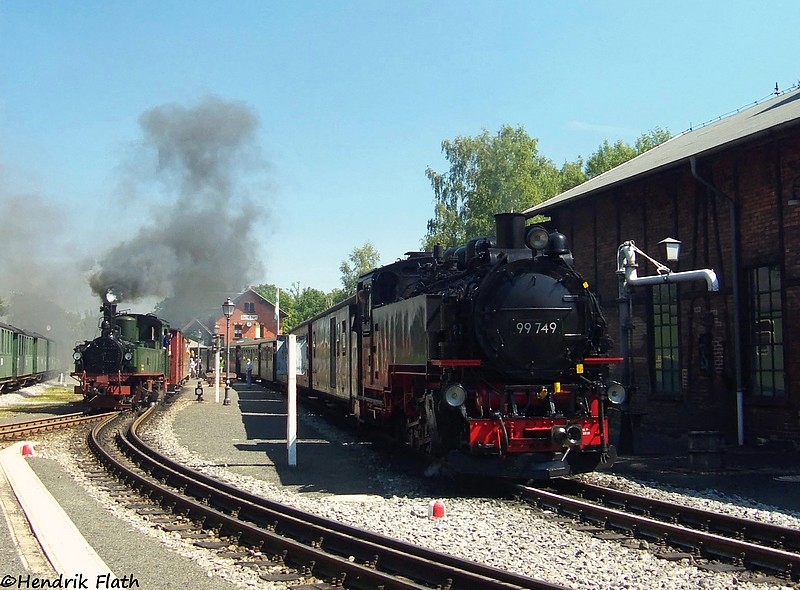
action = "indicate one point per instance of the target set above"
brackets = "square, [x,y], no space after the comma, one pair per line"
[535,327]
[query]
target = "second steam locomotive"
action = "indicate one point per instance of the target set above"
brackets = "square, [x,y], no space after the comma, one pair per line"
[493,356]
[133,361]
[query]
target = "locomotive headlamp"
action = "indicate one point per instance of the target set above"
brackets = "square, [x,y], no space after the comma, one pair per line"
[574,434]
[77,355]
[615,392]
[455,395]
[567,436]
[128,356]
[536,237]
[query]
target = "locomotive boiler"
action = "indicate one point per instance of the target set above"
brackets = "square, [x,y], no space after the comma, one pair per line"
[131,363]
[493,355]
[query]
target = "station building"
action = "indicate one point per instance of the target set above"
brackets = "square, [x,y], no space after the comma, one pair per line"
[698,359]
[253,317]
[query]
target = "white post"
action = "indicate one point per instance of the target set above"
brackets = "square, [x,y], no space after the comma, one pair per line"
[291,389]
[216,375]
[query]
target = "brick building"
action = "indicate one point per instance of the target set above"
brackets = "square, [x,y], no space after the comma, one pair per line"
[703,360]
[253,318]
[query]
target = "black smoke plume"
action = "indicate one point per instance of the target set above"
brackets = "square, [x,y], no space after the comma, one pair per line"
[193,183]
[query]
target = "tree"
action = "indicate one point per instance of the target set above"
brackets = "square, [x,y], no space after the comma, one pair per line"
[338,295]
[270,292]
[360,261]
[610,156]
[305,304]
[651,139]
[488,174]
[299,304]
[572,174]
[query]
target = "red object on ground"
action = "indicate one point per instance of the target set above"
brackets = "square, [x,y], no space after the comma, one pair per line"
[436,509]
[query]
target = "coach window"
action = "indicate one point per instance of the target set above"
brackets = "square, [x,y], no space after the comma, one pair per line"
[767,377]
[666,349]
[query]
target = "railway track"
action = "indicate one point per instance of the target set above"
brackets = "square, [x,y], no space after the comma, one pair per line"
[342,555]
[27,428]
[724,540]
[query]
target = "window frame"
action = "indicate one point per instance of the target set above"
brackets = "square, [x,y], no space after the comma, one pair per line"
[766,346]
[665,336]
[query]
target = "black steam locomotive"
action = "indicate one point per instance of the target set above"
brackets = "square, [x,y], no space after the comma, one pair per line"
[493,356]
[132,362]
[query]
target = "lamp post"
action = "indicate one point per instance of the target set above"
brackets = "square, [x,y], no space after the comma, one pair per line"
[227,309]
[216,363]
[198,362]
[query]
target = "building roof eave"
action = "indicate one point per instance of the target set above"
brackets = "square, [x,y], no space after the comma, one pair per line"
[748,125]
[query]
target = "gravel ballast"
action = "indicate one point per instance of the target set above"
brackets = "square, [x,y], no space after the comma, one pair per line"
[499,532]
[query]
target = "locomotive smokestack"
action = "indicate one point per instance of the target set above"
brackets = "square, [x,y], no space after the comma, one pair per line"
[109,310]
[510,230]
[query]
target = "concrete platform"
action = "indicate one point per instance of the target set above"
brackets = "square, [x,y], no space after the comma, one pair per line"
[67,551]
[248,437]
[84,537]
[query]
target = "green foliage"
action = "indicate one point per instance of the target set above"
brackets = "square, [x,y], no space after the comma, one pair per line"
[361,260]
[338,295]
[269,292]
[652,138]
[488,174]
[610,156]
[304,304]
[299,304]
[572,174]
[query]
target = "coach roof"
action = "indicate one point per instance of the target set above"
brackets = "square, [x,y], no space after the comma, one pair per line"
[762,119]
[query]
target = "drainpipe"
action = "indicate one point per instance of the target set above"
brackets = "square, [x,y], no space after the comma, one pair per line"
[737,307]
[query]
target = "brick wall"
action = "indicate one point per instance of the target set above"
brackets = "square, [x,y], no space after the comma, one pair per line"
[673,203]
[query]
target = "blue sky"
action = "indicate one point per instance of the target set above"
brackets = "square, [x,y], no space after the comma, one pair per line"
[352,100]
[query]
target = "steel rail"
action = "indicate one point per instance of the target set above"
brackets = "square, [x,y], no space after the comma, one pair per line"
[713,522]
[710,545]
[27,427]
[331,549]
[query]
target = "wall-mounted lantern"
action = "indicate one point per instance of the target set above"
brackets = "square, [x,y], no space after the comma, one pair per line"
[673,248]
